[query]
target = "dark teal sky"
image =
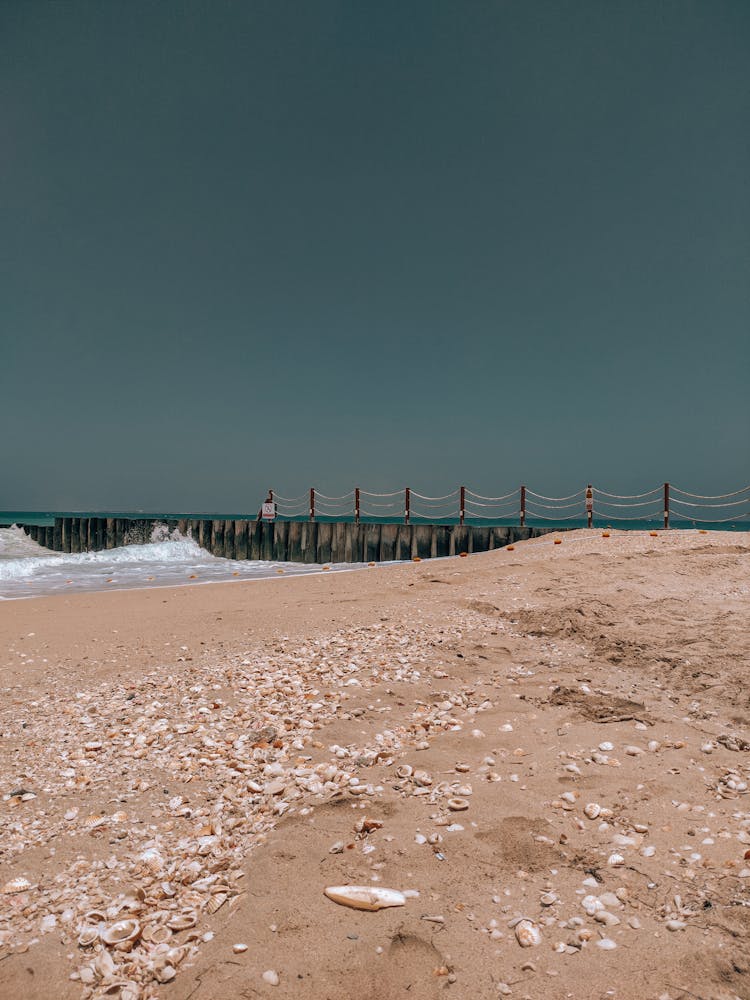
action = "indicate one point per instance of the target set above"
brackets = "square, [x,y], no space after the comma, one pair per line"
[387,243]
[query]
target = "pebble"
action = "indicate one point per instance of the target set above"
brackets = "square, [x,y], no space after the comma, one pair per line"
[239,948]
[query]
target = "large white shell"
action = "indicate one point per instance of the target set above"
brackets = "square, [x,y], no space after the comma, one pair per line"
[120,931]
[365,897]
[528,934]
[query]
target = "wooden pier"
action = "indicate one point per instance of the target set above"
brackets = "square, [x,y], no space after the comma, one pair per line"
[285,541]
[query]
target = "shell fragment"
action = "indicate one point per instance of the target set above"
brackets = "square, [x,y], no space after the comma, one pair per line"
[365,897]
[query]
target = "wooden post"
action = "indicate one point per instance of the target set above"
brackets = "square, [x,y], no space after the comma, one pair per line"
[312,503]
[461,503]
[523,506]
[407,507]
[589,506]
[666,505]
[356,505]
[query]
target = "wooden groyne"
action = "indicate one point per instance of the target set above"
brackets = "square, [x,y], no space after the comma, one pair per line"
[285,541]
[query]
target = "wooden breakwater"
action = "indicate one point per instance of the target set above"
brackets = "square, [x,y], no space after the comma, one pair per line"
[284,541]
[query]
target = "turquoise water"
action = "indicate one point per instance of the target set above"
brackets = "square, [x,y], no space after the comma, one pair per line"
[44,518]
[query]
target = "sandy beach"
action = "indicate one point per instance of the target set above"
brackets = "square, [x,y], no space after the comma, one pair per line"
[556,732]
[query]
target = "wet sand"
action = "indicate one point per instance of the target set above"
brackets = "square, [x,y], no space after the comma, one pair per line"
[215,756]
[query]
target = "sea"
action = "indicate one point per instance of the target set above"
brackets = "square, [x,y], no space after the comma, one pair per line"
[27,569]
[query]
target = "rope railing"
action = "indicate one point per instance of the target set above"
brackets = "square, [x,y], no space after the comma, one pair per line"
[520,504]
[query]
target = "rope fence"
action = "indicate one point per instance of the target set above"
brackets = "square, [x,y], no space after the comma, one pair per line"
[463,505]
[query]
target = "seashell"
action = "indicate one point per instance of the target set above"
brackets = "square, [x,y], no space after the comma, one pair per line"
[15,885]
[104,964]
[615,859]
[462,790]
[528,934]
[94,821]
[675,925]
[87,936]
[458,804]
[120,932]
[216,901]
[181,921]
[592,810]
[548,898]
[165,974]
[462,768]
[92,746]
[239,948]
[607,944]
[156,934]
[95,917]
[364,897]
[152,860]
[404,771]
[422,778]
[606,918]
[271,977]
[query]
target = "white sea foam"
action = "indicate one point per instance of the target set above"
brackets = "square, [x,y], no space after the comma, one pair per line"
[27,569]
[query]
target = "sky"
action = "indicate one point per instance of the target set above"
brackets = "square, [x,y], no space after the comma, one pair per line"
[320,243]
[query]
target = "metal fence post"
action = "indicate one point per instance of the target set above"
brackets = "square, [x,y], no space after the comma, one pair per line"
[312,503]
[407,499]
[356,505]
[461,505]
[666,505]
[523,506]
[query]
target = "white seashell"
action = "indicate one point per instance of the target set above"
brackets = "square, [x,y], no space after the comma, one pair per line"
[104,964]
[364,897]
[181,921]
[592,904]
[548,898]
[87,936]
[152,860]
[165,974]
[216,901]
[404,771]
[239,948]
[458,804]
[592,810]
[606,918]
[422,778]
[15,885]
[607,944]
[271,977]
[606,747]
[120,931]
[615,859]
[649,851]
[528,934]
[156,933]
[633,751]
[95,821]
[675,925]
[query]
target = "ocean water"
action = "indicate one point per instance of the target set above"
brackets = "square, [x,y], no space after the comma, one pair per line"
[27,569]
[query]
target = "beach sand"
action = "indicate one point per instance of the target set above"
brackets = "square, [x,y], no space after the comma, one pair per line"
[212,757]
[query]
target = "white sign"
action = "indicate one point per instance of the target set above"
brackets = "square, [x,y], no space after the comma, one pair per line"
[269,511]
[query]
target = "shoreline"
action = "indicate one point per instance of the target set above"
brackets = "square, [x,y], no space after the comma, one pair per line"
[529,658]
